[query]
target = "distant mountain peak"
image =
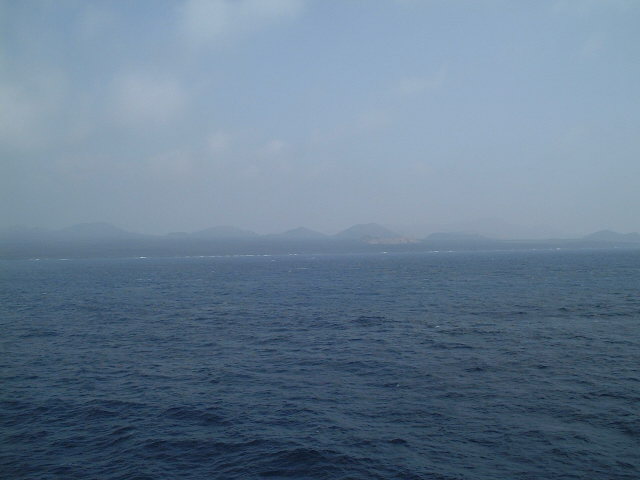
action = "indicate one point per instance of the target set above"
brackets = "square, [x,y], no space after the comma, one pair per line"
[366,231]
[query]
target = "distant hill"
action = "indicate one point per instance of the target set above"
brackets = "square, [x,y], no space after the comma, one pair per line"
[366,231]
[106,240]
[224,232]
[613,237]
[300,233]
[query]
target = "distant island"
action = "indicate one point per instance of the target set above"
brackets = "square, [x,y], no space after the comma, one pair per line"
[106,240]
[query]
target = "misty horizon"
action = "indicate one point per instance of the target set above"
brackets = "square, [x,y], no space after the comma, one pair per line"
[301,232]
[488,227]
[488,117]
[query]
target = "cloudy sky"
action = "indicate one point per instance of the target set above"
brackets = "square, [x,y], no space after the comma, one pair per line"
[175,115]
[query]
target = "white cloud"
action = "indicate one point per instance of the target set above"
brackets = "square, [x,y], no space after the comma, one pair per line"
[210,21]
[142,99]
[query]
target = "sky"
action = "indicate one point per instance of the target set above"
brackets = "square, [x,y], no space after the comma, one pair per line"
[507,117]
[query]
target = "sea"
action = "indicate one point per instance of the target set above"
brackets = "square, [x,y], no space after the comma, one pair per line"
[437,365]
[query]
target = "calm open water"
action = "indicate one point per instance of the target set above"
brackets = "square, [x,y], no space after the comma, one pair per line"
[503,365]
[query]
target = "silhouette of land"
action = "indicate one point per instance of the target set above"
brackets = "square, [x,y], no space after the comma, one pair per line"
[105,240]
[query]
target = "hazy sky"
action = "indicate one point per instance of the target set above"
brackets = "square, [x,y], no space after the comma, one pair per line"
[163,116]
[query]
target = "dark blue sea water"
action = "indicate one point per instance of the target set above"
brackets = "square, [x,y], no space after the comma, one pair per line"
[503,365]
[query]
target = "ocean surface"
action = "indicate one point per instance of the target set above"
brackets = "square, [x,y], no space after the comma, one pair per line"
[484,365]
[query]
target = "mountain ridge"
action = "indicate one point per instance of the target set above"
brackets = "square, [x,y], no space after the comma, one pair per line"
[102,239]
[362,231]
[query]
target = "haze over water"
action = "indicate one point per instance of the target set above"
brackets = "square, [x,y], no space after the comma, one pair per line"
[462,302]
[500,117]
